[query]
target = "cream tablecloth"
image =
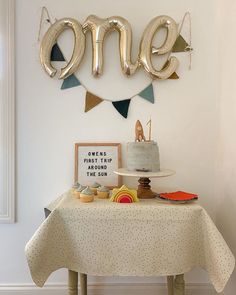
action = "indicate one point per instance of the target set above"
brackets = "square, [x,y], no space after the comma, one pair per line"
[148,238]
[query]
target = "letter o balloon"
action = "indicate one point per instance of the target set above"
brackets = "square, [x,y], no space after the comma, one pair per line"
[50,38]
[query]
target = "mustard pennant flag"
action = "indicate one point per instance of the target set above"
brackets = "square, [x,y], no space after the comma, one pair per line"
[174,76]
[180,45]
[91,101]
[147,93]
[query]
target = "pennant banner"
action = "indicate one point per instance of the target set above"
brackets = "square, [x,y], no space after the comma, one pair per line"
[147,93]
[70,82]
[122,106]
[56,54]
[91,101]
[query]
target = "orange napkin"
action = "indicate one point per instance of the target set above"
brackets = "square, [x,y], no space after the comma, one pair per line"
[179,196]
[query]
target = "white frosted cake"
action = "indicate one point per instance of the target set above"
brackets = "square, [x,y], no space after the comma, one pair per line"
[143,156]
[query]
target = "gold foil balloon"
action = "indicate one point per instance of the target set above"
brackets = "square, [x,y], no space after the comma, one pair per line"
[121,25]
[50,39]
[99,28]
[145,52]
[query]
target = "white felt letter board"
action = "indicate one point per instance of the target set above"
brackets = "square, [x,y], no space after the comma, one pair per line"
[96,162]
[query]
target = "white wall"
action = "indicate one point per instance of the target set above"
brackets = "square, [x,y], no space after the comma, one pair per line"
[226,207]
[50,121]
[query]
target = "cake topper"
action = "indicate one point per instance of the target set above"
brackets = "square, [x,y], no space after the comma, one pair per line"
[150,129]
[139,135]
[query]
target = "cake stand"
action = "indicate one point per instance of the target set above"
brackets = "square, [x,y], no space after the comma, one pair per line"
[144,189]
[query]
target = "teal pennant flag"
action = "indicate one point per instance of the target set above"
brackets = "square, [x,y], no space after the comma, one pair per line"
[56,54]
[70,82]
[122,106]
[147,93]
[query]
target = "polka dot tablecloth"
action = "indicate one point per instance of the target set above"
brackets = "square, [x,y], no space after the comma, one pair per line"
[149,238]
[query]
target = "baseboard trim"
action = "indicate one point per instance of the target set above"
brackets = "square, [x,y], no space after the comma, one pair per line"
[105,289]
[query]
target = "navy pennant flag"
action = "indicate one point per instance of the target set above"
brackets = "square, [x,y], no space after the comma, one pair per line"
[56,54]
[122,106]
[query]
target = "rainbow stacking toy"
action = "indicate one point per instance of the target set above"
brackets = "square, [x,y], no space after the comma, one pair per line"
[124,195]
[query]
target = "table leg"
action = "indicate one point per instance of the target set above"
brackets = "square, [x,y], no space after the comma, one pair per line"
[73,282]
[170,285]
[83,283]
[179,285]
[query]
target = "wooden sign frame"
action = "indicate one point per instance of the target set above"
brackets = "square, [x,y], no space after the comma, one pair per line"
[102,152]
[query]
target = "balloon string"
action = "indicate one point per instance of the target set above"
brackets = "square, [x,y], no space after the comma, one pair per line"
[48,19]
[188,48]
[190,42]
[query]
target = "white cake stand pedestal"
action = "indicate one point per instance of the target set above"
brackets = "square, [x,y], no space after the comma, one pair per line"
[144,189]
